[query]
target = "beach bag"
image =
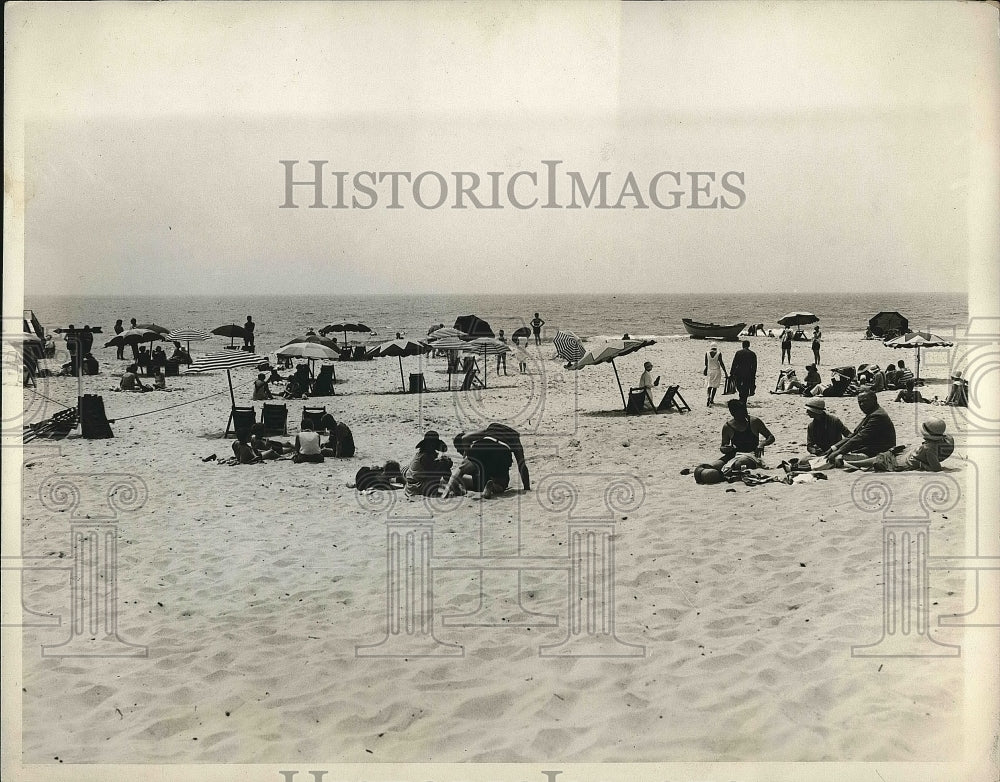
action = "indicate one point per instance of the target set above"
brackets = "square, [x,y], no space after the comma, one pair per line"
[730,386]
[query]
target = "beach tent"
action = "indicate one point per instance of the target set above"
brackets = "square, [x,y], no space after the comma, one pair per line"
[474,326]
[232,331]
[798,319]
[227,360]
[569,347]
[400,347]
[917,340]
[887,322]
[608,352]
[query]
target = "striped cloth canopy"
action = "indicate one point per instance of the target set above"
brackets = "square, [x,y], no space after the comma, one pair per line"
[188,335]
[568,346]
[225,359]
[487,346]
[450,343]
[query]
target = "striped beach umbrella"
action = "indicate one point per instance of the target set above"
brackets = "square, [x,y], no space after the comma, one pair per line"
[917,340]
[401,347]
[188,336]
[487,346]
[608,352]
[569,347]
[227,360]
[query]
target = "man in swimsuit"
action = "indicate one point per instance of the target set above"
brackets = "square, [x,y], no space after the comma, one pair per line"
[536,328]
[489,454]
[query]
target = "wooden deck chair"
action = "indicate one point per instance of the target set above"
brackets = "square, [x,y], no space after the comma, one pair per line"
[323,384]
[275,418]
[673,399]
[417,383]
[314,417]
[471,379]
[782,374]
[637,398]
[241,419]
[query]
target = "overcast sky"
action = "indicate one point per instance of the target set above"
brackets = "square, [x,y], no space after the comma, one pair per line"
[153,135]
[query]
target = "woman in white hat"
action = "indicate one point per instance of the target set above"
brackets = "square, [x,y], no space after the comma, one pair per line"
[958,396]
[926,456]
[714,371]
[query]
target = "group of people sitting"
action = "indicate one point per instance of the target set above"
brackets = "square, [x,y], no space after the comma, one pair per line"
[130,380]
[846,381]
[871,445]
[254,447]
[486,455]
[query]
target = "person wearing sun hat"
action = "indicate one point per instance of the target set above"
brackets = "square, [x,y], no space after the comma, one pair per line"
[825,429]
[427,472]
[875,433]
[924,457]
[958,395]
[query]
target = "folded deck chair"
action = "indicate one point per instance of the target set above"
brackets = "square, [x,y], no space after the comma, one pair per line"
[314,417]
[782,374]
[323,384]
[54,428]
[471,379]
[275,418]
[241,419]
[673,399]
[637,398]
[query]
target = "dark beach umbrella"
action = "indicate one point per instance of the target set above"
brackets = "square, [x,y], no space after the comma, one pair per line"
[401,347]
[798,319]
[917,340]
[134,337]
[152,327]
[474,326]
[609,352]
[315,339]
[355,328]
[524,331]
[230,330]
[888,321]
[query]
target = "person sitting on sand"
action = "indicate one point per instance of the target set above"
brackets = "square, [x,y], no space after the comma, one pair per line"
[243,451]
[275,377]
[341,442]
[261,390]
[307,446]
[268,449]
[875,433]
[90,365]
[926,456]
[742,433]
[427,473]
[910,394]
[180,355]
[872,378]
[159,380]
[298,384]
[130,380]
[838,386]
[890,376]
[825,429]
[376,478]
[958,394]
[489,454]
[902,374]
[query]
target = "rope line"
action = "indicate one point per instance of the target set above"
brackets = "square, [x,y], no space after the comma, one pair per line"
[161,409]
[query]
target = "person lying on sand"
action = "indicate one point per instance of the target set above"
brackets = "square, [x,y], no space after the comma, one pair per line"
[489,454]
[925,457]
[243,452]
[268,449]
[377,478]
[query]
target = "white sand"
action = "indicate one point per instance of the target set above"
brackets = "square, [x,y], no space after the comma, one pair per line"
[252,586]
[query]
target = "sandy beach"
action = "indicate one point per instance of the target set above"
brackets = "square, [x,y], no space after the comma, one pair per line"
[252,587]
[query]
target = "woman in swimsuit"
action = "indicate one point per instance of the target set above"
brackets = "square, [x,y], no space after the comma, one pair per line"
[817,337]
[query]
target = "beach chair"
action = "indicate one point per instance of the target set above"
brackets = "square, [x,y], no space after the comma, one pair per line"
[275,418]
[417,383]
[637,398]
[672,399]
[241,419]
[172,368]
[314,417]
[780,382]
[54,428]
[471,379]
[323,384]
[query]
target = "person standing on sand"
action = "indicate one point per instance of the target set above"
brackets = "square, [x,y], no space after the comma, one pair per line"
[714,371]
[502,357]
[536,328]
[744,371]
[786,345]
[817,338]
[119,328]
[248,327]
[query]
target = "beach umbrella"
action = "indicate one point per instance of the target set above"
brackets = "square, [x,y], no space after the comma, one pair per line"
[474,326]
[487,346]
[524,331]
[798,319]
[188,336]
[445,332]
[232,331]
[917,340]
[886,322]
[432,329]
[312,351]
[569,347]
[227,360]
[314,338]
[609,352]
[152,327]
[400,347]
[134,337]
[356,328]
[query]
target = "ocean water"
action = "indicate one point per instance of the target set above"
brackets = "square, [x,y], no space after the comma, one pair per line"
[591,317]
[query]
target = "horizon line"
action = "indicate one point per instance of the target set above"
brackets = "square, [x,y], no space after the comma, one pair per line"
[342,294]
